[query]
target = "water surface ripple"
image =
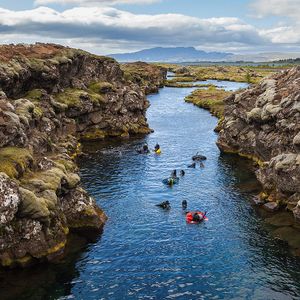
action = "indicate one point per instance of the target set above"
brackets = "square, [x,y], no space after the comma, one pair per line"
[146,253]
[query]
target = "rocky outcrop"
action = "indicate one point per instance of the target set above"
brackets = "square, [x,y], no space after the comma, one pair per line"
[148,76]
[263,123]
[51,98]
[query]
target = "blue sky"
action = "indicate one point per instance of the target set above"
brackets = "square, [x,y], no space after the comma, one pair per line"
[109,26]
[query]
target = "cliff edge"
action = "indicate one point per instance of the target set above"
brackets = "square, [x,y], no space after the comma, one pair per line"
[263,123]
[51,98]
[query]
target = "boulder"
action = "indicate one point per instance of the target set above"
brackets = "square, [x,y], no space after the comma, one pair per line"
[33,207]
[296,139]
[271,206]
[10,199]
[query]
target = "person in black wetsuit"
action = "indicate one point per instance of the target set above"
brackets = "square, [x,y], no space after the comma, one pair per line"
[144,150]
[182,173]
[164,205]
[174,174]
[184,204]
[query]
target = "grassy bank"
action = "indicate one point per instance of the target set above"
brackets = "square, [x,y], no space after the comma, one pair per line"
[210,99]
[249,74]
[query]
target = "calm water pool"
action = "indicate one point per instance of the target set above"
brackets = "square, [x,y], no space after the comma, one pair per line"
[147,253]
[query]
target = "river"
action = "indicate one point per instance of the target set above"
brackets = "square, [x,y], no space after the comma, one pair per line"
[147,253]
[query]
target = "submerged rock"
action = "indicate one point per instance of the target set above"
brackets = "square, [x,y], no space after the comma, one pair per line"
[281,219]
[289,235]
[271,206]
[257,201]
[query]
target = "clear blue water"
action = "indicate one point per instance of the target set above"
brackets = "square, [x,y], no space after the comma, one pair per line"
[223,84]
[147,253]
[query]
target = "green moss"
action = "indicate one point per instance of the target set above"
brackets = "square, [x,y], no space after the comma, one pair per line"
[62,59]
[93,135]
[38,65]
[128,76]
[101,87]
[22,262]
[141,73]
[68,165]
[251,74]
[72,97]
[210,99]
[182,79]
[34,95]
[256,160]
[37,112]
[33,206]
[170,83]
[45,180]
[263,196]
[14,161]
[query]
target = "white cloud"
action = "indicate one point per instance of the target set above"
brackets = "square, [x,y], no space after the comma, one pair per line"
[285,8]
[106,23]
[105,30]
[288,29]
[283,35]
[94,2]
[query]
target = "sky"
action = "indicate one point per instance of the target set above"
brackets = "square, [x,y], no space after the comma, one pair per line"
[116,26]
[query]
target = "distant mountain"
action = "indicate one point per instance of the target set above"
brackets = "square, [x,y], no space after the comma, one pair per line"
[178,54]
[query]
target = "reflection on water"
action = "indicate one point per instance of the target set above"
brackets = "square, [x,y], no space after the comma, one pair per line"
[146,253]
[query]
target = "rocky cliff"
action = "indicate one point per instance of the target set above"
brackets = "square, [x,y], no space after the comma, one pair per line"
[52,97]
[148,76]
[263,123]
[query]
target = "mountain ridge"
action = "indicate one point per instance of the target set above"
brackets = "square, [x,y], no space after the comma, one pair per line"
[170,54]
[191,54]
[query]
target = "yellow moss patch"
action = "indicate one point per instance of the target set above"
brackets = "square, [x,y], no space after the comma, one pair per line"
[23,261]
[263,196]
[37,112]
[34,95]
[44,180]
[14,161]
[67,164]
[57,248]
[76,152]
[89,211]
[66,230]
[96,134]
[255,159]
[143,130]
